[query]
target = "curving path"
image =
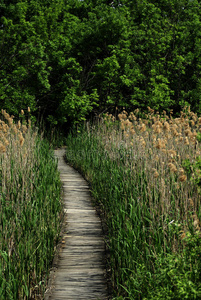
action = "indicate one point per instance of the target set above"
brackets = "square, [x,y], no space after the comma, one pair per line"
[79,272]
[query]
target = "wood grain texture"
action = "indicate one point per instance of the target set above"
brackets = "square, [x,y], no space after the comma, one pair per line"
[79,272]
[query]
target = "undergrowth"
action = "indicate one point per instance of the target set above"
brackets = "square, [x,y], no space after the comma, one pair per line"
[30,209]
[145,174]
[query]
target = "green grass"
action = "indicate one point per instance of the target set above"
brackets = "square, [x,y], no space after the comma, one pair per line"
[30,214]
[148,259]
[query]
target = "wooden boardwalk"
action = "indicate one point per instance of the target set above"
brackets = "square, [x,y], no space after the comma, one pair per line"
[79,272]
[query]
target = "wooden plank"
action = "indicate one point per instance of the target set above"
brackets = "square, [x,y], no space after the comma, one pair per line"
[79,271]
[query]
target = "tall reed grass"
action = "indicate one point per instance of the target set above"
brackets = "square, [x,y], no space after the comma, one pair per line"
[145,173]
[30,209]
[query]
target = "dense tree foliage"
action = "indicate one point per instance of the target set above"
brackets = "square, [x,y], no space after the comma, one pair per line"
[67,58]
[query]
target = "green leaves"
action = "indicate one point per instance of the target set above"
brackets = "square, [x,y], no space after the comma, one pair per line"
[134,54]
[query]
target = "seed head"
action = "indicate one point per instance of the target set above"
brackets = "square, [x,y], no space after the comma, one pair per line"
[5,128]
[196,222]
[175,133]
[166,126]
[15,129]
[172,167]
[2,148]
[187,132]
[142,141]
[143,128]
[191,202]
[186,141]
[10,121]
[5,141]
[19,124]
[192,123]
[122,126]
[194,117]
[182,176]
[24,128]
[156,174]
[21,139]
[158,144]
[127,123]
[157,129]
[172,153]
[146,134]
[181,171]
[132,117]
[132,131]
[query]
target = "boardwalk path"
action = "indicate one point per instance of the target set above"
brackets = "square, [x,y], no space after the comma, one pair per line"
[80,270]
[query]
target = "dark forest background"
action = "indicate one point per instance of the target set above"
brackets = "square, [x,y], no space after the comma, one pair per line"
[70,59]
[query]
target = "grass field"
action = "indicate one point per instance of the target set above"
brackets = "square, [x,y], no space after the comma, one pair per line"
[145,173]
[30,209]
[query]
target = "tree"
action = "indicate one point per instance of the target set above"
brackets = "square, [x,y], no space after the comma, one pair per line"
[66,59]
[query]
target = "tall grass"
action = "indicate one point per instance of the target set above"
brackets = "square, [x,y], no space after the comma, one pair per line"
[30,209]
[145,173]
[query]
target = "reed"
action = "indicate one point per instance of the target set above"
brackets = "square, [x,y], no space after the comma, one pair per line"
[30,209]
[145,174]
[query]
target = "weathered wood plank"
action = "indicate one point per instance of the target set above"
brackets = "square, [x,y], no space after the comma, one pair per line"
[79,272]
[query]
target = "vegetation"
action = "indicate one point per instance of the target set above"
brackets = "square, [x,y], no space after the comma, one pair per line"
[145,174]
[30,209]
[72,60]
[68,59]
